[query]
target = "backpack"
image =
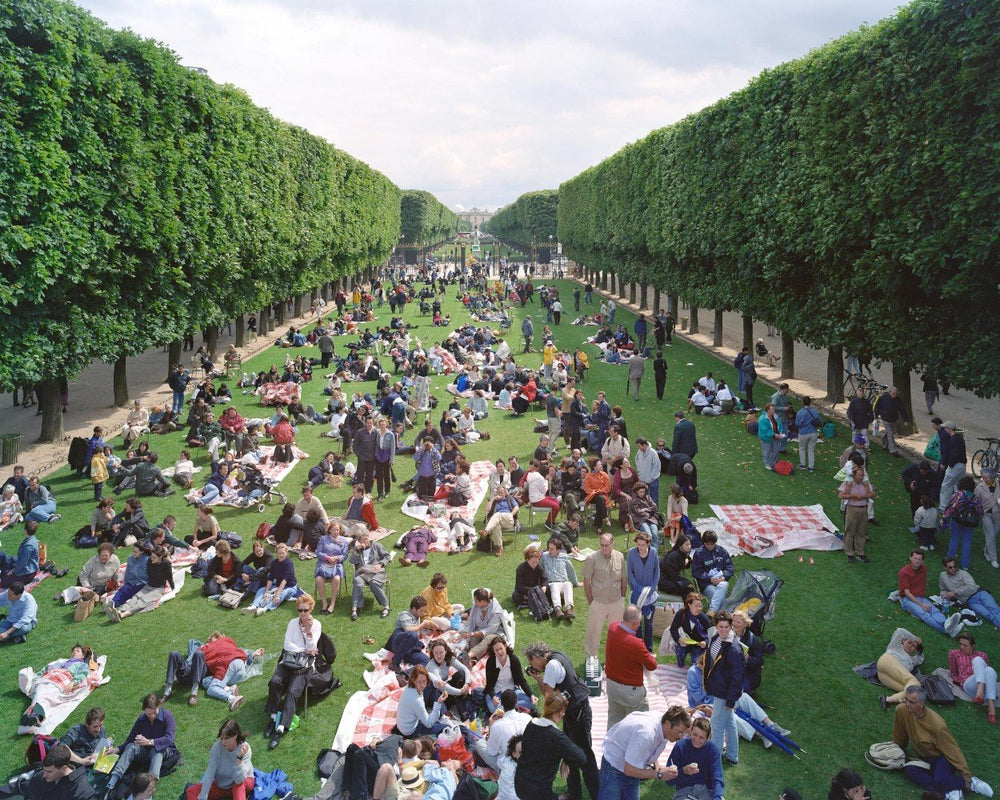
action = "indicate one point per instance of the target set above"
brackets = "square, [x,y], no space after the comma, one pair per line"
[37,748]
[784,467]
[234,539]
[967,515]
[738,361]
[84,538]
[829,430]
[933,450]
[263,531]
[77,455]
[886,756]
[538,604]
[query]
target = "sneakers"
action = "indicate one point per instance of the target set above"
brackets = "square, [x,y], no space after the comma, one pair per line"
[980,786]
[768,743]
[954,794]
[236,702]
[779,729]
[995,564]
[249,610]
[377,657]
[114,614]
[385,612]
[953,626]
[569,613]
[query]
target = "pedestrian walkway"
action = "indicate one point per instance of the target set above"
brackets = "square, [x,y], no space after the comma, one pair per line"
[90,396]
[977,417]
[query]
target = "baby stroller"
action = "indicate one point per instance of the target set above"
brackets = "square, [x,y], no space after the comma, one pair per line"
[258,489]
[754,592]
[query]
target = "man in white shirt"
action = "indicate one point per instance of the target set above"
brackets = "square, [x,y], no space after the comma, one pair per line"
[708,382]
[699,402]
[506,723]
[632,747]
[615,446]
[647,466]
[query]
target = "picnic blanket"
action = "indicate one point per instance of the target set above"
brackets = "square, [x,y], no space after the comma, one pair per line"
[768,531]
[278,394]
[58,690]
[273,471]
[436,515]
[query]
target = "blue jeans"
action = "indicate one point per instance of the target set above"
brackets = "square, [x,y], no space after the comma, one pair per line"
[616,785]
[941,777]
[716,593]
[934,617]
[769,451]
[219,687]
[128,754]
[724,729]
[985,605]
[523,701]
[42,512]
[209,493]
[259,600]
[654,490]
[960,536]
[178,404]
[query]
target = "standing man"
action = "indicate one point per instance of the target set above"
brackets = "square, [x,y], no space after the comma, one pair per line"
[178,381]
[625,658]
[947,771]
[889,408]
[685,436]
[632,748]
[364,443]
[612,307]
[605,583]
[636,367]
[527,331]
[860,413]
[555,673]
[660,373]
[588,293]
[952,461]
[553,416]
[575,419]
[641,330]
[556,309]
[326,348]
[576,299]
[647,466]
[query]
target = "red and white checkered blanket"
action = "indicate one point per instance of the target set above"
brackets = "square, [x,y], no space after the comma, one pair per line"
[274,394]
[768,531]
[273,471]
[436,516]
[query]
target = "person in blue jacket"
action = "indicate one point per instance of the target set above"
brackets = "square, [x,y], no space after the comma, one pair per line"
[723,679]
[698,763]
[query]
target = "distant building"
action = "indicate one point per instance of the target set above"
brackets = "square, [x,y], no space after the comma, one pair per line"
[476,218]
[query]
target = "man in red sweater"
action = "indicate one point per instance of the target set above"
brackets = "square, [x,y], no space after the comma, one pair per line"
[625,658]
[219,665]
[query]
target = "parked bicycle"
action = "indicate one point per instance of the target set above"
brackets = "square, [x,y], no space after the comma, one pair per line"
[987,457]
[871,387]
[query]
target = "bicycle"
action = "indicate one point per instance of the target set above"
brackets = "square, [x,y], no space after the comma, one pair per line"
[986,458]
[871,387]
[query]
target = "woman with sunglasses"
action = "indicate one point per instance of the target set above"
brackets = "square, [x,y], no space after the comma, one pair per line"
[289,682]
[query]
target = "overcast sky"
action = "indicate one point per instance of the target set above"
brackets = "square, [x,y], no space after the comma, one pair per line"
[479,102]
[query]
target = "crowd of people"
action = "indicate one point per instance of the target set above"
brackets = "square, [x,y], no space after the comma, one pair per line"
[586,474]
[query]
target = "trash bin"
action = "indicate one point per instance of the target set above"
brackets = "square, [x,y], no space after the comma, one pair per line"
[11,443]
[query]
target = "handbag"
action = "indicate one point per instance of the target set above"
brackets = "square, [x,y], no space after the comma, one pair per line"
[296,662]
[231,598]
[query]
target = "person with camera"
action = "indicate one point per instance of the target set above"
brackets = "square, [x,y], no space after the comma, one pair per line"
[897,664]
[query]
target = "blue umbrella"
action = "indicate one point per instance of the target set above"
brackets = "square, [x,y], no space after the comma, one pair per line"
[784,742]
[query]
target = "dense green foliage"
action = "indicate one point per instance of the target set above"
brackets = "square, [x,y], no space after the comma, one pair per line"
[531,219]
[848,197]
[140,199]
[424,221]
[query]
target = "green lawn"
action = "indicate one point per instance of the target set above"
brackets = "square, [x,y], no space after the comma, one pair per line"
[830,615]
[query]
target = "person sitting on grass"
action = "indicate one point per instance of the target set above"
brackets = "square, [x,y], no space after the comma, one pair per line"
[22,614]
[229,773]
[281,584]
[160,574]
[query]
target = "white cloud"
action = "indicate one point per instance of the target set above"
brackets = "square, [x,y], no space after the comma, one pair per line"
[478,103]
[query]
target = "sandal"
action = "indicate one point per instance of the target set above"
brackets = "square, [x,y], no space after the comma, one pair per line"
[368,640]
[193,700]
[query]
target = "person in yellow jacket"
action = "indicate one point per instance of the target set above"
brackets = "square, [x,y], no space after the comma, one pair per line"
[99,472]
[439,609]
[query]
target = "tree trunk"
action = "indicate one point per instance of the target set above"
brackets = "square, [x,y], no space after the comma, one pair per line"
[748,331]
[673,305]
[834,375]
[643,296]
[297,307]
[717,333]
[120,384]
[656,300]
[693,322]
[212,341]
[621,288]
[604,281]
[631,293]
[47,394]
[240,331]
[279,313]
[901,380]
[787,355]
[174,355]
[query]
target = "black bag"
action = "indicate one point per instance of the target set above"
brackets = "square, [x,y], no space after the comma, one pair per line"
[296,662]
[938,690]
[84,538]
[538,604]
[483,544]
[326,762]
[234,539]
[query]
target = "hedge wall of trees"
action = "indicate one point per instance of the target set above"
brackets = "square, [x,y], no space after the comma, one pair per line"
[532,217]
[424,221]
[851,197]
[140,199]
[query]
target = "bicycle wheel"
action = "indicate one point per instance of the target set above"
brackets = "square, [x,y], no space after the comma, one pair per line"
[983,459]
[850,387]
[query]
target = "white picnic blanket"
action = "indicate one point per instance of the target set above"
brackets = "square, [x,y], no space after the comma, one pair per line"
[56,692]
